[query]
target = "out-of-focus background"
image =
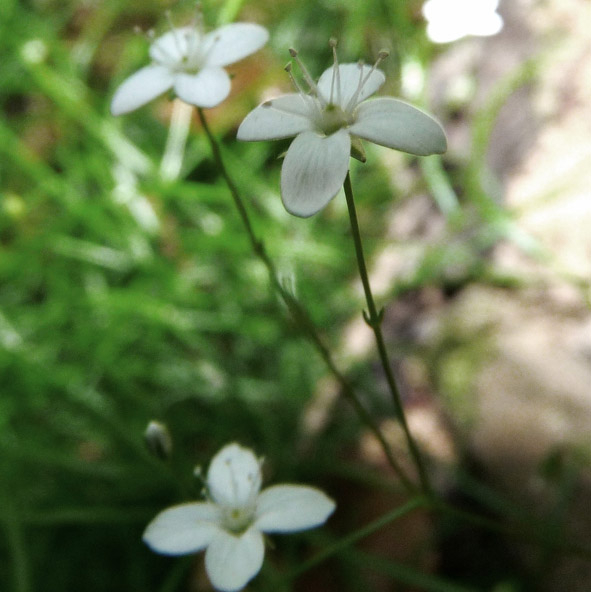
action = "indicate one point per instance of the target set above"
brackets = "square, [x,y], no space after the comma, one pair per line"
[128,293]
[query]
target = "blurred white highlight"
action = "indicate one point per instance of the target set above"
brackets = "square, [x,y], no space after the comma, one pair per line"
[449,20]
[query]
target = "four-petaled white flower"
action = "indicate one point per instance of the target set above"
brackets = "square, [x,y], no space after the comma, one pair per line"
[328,122]
[449,20]
[231,524]
[191,62]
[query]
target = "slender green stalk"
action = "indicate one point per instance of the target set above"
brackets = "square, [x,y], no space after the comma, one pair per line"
[374,319]
[427,503]
[298,312]
[354,537]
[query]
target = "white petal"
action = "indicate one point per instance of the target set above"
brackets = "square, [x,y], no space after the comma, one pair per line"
[234,477]
[171,47]
[351,77]
[232,561]
[287,508]
[207,88]
[395,124]
[140,88]
[183,529]
[233,42]
[313,171]
[278,118]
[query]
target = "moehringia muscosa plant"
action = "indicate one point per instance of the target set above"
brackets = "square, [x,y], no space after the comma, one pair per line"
[328,123]
[230,525]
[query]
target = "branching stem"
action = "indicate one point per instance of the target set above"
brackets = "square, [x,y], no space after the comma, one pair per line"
[298,312]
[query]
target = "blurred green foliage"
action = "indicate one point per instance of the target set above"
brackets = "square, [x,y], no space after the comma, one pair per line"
[127,297]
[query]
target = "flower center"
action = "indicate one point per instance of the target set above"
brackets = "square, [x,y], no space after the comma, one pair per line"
[237,520]
[331,119]
[337,110]
[190,52]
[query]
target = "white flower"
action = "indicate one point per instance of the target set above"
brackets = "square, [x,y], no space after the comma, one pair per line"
[191,62]
[231,524]
[328,122]
[449,20]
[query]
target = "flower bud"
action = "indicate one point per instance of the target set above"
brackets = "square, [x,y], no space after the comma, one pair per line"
[158,440]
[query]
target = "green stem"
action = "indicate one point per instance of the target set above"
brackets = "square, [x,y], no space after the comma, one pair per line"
[374,319]
[298,312]
[354,537]
[520,530]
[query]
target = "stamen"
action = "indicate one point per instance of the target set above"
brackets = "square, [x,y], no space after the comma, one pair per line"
[192,45]
[336,75]
[204,54]
[195,34]
[360,64]
[353,100]
[288,69]
[306,98]
[382,55]
[309,80]
[198,18]
[174,32]
[167,55]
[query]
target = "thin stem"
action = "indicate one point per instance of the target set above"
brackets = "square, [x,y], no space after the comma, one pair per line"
[521,530]
[374,319]
[298,312]
[354,537]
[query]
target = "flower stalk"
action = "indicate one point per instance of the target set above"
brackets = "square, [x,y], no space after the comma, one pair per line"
[299,313]
[374,319]
[180,122]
